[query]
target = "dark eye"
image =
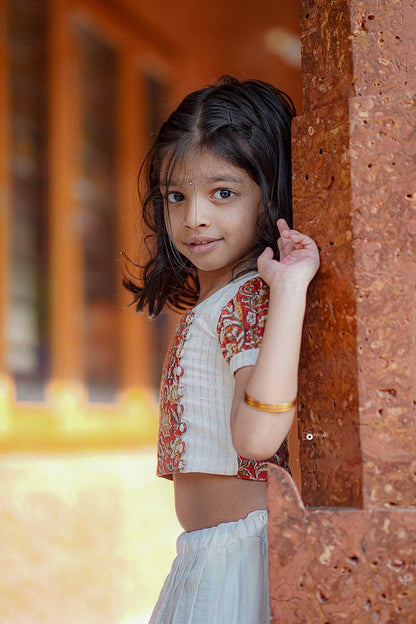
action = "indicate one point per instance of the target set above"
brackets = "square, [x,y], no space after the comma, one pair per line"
[174,197]
[223,194]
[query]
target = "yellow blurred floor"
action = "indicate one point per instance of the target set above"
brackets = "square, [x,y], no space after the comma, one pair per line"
[85,538]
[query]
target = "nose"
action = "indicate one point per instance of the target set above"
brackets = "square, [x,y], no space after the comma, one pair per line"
[196,214]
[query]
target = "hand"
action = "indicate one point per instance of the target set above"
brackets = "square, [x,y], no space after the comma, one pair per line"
[299,258]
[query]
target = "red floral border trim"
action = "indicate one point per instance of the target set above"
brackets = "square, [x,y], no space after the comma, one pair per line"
[257,470]
[171,447]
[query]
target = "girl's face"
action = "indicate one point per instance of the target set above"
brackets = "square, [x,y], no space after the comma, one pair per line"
[211,211]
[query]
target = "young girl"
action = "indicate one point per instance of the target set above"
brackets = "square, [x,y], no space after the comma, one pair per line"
[218,183]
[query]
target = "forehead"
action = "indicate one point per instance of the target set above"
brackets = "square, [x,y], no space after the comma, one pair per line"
[203,168]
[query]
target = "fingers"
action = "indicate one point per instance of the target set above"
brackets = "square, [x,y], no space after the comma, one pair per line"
[264,258]
[293,236]
[285,242]
[284,230]
[266,253]
[282,226]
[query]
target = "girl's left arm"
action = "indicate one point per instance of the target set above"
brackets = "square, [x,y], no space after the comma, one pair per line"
[274,377]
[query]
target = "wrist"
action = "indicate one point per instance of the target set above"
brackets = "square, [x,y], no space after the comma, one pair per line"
[288,289]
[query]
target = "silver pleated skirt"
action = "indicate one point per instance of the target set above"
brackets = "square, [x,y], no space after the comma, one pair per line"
[219,576]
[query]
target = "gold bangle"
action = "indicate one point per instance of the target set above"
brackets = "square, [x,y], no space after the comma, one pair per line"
[270,407]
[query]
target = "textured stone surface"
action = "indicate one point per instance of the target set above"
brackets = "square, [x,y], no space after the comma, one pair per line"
[354,192]
[356,47]
[409,35]
[337,565]
[383,212]
[326,53]
[377,45]
[328,409]
[351,556]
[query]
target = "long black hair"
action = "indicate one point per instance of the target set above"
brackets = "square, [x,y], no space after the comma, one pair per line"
[249,125]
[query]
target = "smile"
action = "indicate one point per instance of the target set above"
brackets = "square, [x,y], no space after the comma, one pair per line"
[202,245]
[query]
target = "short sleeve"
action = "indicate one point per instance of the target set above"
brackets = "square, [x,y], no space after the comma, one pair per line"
[241,324]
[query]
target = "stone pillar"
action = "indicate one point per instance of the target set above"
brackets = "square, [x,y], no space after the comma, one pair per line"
[347,552]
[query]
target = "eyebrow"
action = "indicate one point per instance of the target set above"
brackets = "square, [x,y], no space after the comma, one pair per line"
[215,178]
[224,178]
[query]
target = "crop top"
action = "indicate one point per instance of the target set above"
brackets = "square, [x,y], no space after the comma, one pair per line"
[213,339]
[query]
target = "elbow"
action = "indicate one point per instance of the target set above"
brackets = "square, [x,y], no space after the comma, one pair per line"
[257,450]
[260,443]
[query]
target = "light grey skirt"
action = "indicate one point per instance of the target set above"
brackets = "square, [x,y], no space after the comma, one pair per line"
[219,576]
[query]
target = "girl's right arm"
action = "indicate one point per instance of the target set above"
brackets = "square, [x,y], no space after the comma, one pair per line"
[274,377]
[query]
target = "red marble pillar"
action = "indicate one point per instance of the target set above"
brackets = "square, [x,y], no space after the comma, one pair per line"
[347,552]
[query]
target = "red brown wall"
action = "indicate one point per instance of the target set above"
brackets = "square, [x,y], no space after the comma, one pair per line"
[346,552]
[214,38]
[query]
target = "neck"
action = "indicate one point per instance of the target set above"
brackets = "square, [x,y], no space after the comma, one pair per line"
[210,282]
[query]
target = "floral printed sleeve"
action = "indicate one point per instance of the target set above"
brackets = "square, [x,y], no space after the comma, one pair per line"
[240,331]
[241,324]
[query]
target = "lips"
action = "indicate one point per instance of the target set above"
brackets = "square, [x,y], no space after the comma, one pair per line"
[201,244]
[201,240]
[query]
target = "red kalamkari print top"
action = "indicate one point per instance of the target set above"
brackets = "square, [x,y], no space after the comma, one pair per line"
[212,341]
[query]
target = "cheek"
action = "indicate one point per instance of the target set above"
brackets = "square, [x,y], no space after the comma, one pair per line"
[251,216]
[172,225]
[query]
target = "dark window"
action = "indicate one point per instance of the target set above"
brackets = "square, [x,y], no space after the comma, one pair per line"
[27,337]
[97,196]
